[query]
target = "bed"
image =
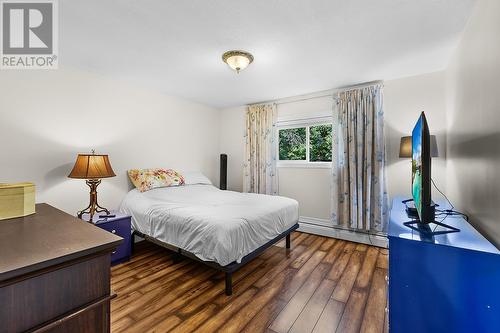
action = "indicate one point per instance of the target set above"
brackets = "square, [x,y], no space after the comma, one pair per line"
[222,229]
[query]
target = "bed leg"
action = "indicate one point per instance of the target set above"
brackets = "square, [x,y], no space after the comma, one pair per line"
[177,257]
[132,245]
[288,241]
[229,283]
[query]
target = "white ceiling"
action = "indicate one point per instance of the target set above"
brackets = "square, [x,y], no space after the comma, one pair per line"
[299,46]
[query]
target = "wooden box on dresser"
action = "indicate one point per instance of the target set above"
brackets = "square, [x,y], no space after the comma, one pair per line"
[54,273]
[118,224]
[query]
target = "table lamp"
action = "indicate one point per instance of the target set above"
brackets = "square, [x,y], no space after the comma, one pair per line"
[405,147]
[92,168]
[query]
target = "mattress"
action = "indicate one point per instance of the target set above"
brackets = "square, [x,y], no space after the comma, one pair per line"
[214,225]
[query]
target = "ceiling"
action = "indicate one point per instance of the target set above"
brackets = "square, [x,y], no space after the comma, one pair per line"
[299,46]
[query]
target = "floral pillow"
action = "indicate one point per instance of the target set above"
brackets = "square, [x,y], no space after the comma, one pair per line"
[148,179]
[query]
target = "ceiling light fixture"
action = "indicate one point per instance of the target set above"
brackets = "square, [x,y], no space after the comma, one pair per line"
[237,60]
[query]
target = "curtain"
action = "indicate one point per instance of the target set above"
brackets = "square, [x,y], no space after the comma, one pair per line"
[259,168]
[359,197]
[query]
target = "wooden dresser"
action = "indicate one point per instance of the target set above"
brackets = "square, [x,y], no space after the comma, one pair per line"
[54,273]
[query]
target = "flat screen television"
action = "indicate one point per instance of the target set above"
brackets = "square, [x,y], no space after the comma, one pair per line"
[421,170]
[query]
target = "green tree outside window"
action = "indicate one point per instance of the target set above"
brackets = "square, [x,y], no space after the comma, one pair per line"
[293,143]
[320,143]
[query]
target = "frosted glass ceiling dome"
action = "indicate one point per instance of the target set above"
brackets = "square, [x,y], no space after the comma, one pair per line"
[237,60]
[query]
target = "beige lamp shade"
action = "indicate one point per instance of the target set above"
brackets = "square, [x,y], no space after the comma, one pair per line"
[91,166]
[405,147]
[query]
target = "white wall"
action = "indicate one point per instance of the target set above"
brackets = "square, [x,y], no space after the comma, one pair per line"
[47,117]
[404,99]
[310,187]
[232,143]
[473,163]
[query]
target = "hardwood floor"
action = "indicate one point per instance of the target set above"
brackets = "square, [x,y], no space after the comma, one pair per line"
[320,285]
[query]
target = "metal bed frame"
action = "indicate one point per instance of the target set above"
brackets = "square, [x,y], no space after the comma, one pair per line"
[230,268]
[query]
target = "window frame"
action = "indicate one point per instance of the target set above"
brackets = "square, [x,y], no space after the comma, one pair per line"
[300,123]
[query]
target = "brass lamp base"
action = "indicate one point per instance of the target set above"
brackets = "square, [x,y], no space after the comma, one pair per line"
[93,206]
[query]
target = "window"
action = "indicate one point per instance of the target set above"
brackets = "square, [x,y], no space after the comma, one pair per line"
[305,145]
[293,144]
[320,143]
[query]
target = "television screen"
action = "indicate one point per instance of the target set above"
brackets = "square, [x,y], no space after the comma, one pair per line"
[416,164]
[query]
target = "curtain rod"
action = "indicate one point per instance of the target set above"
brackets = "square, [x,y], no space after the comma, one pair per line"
[304,99]
[281,121]
[361,85]
[330,94]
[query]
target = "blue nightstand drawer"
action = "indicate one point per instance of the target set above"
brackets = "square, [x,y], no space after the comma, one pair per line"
[121,254]
[119,225]
[122,229]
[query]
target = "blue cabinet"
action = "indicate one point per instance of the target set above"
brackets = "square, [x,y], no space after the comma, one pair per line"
[442,283]
[119,225]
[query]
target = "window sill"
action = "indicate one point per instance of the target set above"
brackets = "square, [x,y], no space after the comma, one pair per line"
[302,165]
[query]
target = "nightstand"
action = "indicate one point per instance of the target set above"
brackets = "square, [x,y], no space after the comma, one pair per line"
[119,225]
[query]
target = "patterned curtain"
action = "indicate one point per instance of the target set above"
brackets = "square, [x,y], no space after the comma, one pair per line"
[359,193]
[259,168]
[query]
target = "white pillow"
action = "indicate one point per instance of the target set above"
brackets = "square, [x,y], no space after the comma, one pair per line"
[194,178]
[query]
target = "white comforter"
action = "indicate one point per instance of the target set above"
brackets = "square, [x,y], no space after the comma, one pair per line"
[215,225]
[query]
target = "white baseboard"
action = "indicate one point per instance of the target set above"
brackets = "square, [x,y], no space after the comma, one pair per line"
[315,221]
[305,225]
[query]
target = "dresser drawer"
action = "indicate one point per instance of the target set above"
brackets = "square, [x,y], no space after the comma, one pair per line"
[49,294]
